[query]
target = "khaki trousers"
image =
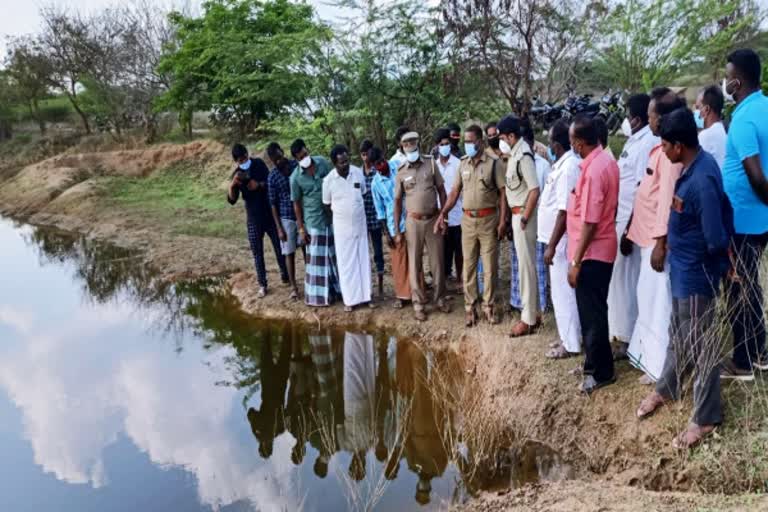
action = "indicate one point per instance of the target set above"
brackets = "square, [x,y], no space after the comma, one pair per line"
[525,245]
[478,240]
[420,234]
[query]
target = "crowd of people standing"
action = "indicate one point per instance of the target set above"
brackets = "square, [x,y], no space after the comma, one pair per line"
[632,250]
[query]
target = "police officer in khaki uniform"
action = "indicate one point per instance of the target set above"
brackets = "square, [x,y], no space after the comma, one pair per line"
[421,184]
[522,185]
[483,224]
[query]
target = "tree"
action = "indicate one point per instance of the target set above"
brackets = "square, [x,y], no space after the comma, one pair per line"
[246,60]
[29,71]
[647,42]
[7,102]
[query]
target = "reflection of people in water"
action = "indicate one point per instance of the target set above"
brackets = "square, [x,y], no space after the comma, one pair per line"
[424,450]
[301,398]
[268,422]
[327,359]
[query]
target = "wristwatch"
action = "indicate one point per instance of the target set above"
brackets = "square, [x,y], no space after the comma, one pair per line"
[575,263]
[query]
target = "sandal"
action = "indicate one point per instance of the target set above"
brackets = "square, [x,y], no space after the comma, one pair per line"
[371,305]
[347,309]
[560,353]
[522,329]
[589,385]
[692,436]
[398,304]
[650,405]
[489,316]
[443,306]
[470,318]
[294,295]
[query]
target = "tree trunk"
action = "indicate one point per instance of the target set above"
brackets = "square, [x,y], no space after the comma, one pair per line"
[72,95]
[34,111]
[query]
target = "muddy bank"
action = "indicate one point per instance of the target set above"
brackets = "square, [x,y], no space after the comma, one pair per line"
[515,389]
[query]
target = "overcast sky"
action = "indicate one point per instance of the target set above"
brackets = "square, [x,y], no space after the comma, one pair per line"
[18,17]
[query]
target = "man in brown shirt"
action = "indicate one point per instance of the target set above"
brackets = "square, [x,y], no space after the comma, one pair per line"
[421,184]
[481,179]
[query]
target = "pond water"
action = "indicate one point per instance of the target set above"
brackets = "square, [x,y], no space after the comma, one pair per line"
[119,392]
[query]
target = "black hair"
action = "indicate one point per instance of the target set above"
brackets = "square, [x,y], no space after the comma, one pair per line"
[239,151]
[667,104]
[453,127]
[679,126]
[637,105]
[374,154]
[602,130]
[747,64]
[492,124]
[273,151]
[584,129]
[337,151]
[509,125]
[442,133]
[712,96]
[559,134]
[402,130]
[476,130]
[658,93]
[297,146]
[526,130]
[365,146]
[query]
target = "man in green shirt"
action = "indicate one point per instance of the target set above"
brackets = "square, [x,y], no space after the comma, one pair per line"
[321,282]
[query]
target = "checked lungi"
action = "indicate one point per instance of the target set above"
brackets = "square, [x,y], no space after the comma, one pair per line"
[321,281]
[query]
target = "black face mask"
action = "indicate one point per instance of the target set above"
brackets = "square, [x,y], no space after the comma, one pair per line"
[493,142]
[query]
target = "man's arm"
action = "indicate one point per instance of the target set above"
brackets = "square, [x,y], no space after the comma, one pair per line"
[233,193]
[530,203]
[558,231]
[453,198]
[588,231]
[756,177]
[502,228]
[278,222]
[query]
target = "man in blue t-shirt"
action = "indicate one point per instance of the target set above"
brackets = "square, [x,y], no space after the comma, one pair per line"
[744,180]
[698,236]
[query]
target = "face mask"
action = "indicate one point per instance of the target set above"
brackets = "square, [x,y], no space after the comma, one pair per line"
[470,149]
[551,154]
[728,97]
[504,147]
[413,155]
[626,128]
[493,142]
[699,120]
[444,150]
[246,165]
[305,162]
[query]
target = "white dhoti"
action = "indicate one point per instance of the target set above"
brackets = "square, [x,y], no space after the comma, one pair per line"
[648,346]
[359,391]
[622,292]
[354,263]
[564,301]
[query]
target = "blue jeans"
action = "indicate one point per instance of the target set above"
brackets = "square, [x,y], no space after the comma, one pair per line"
[745,300]
[378,249]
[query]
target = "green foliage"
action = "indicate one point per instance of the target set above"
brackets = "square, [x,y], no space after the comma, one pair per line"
[648,42]
[246,60]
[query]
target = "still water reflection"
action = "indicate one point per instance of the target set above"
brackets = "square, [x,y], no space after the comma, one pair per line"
[118,392]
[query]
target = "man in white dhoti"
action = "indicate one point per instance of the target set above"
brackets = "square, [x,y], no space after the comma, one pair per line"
[622,294]
[551,231]
[648,230]
[343,191]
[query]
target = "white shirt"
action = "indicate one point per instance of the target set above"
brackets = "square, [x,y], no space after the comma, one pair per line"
[633,163]
[712,141]
[449,172]
[542,169]
[559,183]
[345,197]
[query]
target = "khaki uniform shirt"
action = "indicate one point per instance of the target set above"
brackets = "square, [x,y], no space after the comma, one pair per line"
[518,185]
[481,183]
[418,183]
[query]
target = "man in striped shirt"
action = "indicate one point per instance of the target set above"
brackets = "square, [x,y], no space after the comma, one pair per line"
[374,227]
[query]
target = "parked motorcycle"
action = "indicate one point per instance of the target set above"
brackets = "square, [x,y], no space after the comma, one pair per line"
[612,109]
[544,114]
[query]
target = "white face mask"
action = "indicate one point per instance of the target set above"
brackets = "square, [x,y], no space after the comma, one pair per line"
[728,97]
[504,147]
[413,155]
[246,165]
[305,162]
[626,128]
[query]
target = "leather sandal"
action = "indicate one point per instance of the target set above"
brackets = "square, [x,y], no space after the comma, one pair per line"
[470,318]
[692,436]
[559,352]
[420,316]
[522,329]
[490,317]
[650,405]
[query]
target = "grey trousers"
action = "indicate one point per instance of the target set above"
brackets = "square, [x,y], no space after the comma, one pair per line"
[693,347]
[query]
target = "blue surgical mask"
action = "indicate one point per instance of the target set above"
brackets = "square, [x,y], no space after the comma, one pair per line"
[444,150]
[699,120]
[551,154]
[413,155]
[246,165]
[470,149]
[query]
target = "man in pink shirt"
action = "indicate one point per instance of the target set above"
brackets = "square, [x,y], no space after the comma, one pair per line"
[647,228]
[592,247]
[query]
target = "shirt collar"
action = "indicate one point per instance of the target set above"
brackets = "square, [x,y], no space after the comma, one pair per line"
[518,147]
[591,157]
[687,171]
[749,99]
[642,132]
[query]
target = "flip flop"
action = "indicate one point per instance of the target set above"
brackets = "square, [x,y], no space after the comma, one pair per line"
[649,405]
[559,353]
[691,437]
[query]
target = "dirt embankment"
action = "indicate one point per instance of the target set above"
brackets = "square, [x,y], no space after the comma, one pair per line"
[612,454]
